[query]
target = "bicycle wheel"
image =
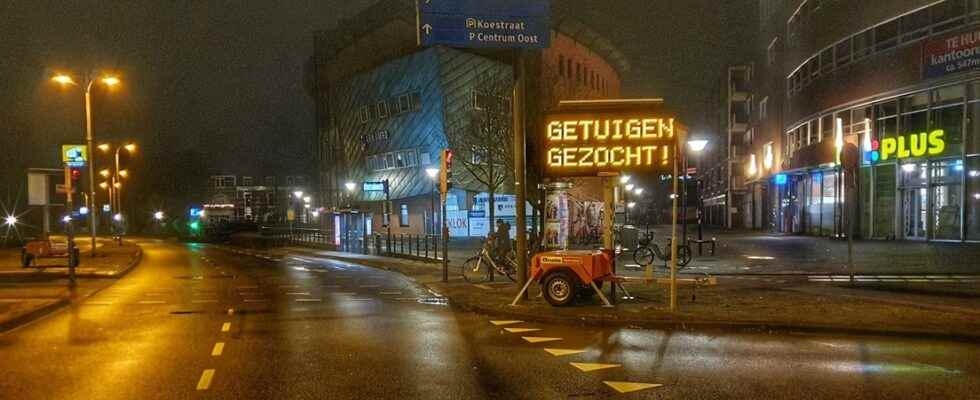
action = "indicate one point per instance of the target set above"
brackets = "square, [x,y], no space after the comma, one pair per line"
[643,256]
[683,255]
[475,270]
[508,268]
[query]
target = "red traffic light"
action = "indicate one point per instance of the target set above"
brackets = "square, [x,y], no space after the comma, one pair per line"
[76,174]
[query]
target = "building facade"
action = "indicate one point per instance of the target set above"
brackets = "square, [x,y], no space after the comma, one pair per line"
[262,200]
[386,108]
[897,81]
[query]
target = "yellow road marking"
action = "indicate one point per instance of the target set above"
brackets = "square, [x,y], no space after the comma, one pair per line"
[510,322]
[205,381]
[563,352]
[589,367]
[226,327]
[307,300]
[627,387]
[539,339]
[520,330]
[205,301]
[151,302]
[218,348]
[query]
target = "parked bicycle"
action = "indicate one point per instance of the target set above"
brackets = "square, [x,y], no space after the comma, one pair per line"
[478,268]
[647,252]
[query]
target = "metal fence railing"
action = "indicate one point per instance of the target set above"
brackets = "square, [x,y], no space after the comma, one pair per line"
[428,247]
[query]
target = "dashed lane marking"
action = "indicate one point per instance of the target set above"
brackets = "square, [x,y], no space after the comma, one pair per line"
[218,348]
[589,367]
[205,382]
[521,330]
[205,301]
[308,300]
[506,322]
[256,300]
[226,327]
[540,339]
[563,352]
[151,302]
[627,387]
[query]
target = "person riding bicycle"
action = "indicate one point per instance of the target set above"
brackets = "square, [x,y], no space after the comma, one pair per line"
[501,240]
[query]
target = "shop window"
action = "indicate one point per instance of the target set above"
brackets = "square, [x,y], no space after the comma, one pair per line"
[973,120]
[886,35]
[828,205]
[814,203]
[914,117]
[972,199]
[887,124]
[946,184]
[884,200]
[947,114]
[403,216]
[864,193]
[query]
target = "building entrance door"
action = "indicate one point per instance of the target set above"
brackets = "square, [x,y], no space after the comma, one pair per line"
[915,212]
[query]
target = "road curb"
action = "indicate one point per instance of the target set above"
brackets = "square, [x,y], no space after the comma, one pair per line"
[674,325]
[34,315]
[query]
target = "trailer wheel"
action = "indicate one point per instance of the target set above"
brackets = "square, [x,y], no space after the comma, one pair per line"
[560,288]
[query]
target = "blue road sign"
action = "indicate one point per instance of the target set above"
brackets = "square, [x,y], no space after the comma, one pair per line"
[373,186]
[485,24]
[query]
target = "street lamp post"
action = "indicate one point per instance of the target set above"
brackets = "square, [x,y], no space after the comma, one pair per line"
[433,173]
[107,80]
[697,147]
[115,184]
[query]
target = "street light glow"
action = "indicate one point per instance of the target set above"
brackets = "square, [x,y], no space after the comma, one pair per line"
[63,79]
[307,199]
[117,185]
[638,191]
[110,81]
[432,172]
[10,220]
[158,215]
[104,147]
[623,179]
[118,217]
[104,173]
[629,187]
[697,145]
[350,186]
[104,185]
[631,204]
[298,194]
[124,173]
[131,147]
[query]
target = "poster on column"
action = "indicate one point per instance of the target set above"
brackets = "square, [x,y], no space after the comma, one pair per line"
[556,220]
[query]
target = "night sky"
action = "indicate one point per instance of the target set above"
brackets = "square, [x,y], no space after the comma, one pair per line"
[213,87]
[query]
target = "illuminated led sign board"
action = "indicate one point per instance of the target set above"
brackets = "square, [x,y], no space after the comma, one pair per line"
[906,146]
[594,143]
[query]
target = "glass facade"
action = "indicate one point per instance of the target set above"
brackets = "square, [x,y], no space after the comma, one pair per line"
[919,186]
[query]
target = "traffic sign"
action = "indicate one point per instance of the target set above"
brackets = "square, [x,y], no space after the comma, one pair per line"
[485,24]
[377,186]
[74,155]
[62,188]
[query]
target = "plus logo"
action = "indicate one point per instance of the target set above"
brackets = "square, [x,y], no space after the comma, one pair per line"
[873,154]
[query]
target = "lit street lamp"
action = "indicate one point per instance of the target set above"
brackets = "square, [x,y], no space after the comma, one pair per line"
[697,147]
[158,215]
[11,220]
[115,176]
[109,81]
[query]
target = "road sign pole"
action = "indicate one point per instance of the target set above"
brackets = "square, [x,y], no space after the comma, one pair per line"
[387,210]
[445,240]
[93,209]
[69,227]
[519,168]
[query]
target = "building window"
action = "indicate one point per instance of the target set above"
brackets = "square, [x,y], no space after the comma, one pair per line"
[403,216]
[404,103]
[246,181]
[270,181]
[382,109]
[416,101]
[425,158]
[764,109]
[578,73]
[842,52]
[915,25]
[886,35]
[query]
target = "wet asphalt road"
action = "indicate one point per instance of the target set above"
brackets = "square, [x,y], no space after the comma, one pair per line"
[308,328]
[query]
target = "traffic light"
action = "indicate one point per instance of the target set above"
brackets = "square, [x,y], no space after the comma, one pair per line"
[76,174]
[446,171]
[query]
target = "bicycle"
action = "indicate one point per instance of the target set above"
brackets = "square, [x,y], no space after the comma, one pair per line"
[647,252]
[477,269]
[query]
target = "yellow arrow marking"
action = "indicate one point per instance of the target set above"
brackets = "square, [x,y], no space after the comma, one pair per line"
[563,352]
[519,330]
[539,339]
[589,367]
[499,323]
[627,387]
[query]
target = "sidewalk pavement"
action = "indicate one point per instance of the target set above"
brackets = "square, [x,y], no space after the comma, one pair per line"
[111,261]
[918,309]
[30,293]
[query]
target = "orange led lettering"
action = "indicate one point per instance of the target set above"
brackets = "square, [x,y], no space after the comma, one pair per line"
[634,129]
[568,133]
[554,131]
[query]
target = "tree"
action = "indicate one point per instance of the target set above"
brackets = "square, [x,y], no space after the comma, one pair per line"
[484,140]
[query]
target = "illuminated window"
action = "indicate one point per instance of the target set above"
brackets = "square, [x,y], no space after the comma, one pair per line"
[403,216]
